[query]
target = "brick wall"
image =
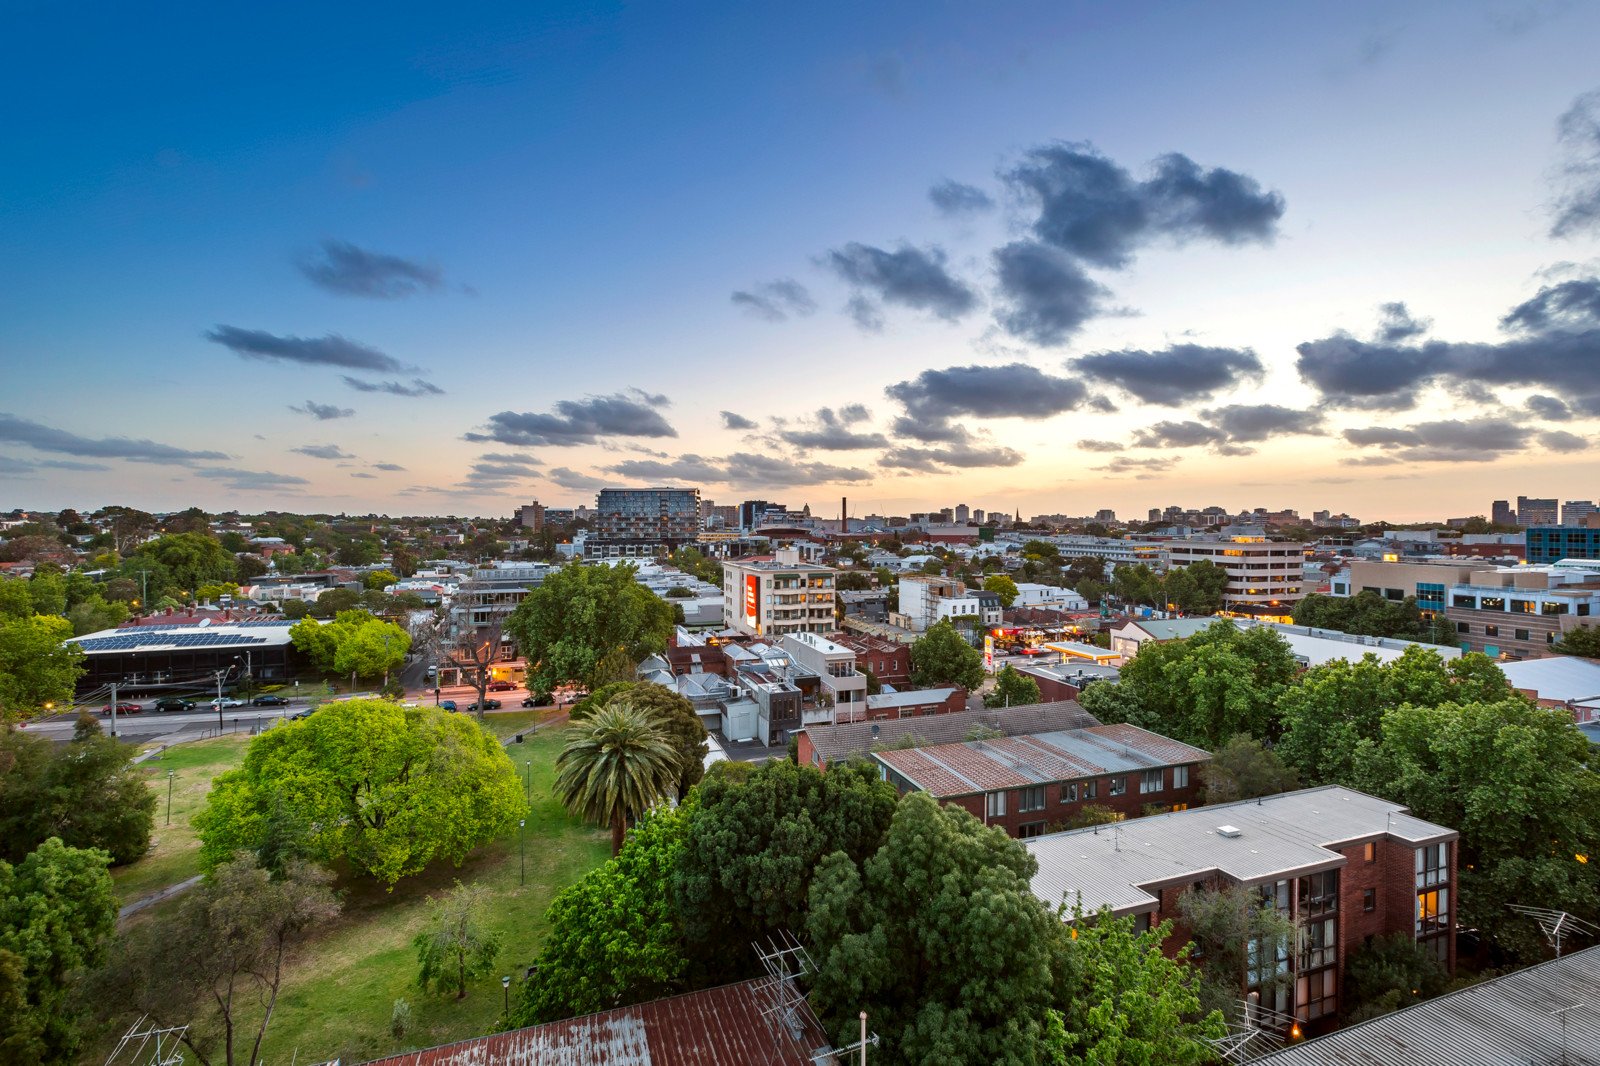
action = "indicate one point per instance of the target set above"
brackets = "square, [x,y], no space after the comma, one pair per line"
[1057,815]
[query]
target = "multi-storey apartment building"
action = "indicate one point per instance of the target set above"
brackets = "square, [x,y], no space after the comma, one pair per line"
[634,523]
[842,689]
[1345,866]
[1537,511]
[778,594]
[1264,576]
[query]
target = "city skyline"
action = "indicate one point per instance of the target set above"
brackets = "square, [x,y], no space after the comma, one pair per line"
[1059,259]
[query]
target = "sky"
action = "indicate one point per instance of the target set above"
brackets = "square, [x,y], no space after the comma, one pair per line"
[1048,258]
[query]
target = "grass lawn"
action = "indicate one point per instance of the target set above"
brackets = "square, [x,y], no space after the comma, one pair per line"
[174,853]
[340,991]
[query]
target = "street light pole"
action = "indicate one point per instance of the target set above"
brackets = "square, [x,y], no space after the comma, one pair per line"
[113,708]
[505,983]
[522,847]
[220,675]
[169,797]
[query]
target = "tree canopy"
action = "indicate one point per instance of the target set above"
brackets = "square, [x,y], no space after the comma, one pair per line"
[388,788]
[941,656]
[1369,614]
[1011,689]
[1001,586]
[354,642]
[86,793]
[675,719]
[36,668]
[1243,769]
[617,764]
[455,944]
[582,619]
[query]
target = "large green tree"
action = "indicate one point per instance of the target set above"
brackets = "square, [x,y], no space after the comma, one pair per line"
[87,793]
[675,718]
[388,788]
[941,656]
[1516,781]
[583,621]
[756,837]
[182,562]
[1225,921]
[615,936]
[617,765]
[353,643]
[1001,586]
[57,914]
[1244,769]
[1371,615]
[1011,689]
[938,938]
[37,669]
[216,962]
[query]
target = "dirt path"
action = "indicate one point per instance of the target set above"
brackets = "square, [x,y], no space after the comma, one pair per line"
[156,897]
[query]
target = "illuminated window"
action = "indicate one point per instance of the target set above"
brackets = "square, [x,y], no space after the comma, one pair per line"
[1433,912]
[1069,792]
[1369,851]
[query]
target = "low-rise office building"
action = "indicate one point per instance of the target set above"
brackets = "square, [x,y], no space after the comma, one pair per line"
[1030,784]
[1519,612]
[1345,866]
[1264,576]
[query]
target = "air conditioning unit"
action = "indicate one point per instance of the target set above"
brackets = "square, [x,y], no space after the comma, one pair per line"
[1228,830]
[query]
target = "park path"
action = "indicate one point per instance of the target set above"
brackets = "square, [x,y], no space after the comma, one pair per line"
[156,897]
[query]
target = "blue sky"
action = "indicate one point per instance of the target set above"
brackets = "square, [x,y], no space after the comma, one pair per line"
[560,202]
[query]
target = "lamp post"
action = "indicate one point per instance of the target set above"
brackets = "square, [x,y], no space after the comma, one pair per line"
[522,848]
[169,797]
[505,983]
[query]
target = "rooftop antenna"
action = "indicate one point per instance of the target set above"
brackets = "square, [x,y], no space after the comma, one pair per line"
[137,1040]
[1556,925]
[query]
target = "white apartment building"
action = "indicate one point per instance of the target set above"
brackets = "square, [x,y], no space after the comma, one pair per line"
[1032,594]
[844,687]
[771,596]
[1264,576]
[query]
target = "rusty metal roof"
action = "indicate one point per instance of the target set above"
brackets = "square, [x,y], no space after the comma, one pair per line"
[719,1025]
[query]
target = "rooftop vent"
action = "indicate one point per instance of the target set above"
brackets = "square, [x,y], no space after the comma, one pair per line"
[1228,830]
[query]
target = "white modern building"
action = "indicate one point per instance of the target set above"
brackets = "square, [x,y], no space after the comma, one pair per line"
[778,594]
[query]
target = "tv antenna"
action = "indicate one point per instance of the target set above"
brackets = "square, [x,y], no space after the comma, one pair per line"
[137,1043]
[1556,925]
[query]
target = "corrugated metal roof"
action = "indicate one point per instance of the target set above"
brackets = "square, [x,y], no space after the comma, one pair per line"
[839,743]
[1290,832]
[1509,1021]
[1037,758]
[719,1025]
[1559,677]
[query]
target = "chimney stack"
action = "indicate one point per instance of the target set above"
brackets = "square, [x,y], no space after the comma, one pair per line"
[844,515]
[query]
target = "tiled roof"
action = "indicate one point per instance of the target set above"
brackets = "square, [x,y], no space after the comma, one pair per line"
[719,1025]
[1037,758]
[839,743]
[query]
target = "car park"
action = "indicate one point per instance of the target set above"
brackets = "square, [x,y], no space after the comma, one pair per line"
[173,703]
[270,701]
[123,707]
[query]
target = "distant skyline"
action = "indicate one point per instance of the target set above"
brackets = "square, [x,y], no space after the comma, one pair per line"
[1041,257]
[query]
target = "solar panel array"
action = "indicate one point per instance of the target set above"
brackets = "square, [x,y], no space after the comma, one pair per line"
[262,622]
[134,641]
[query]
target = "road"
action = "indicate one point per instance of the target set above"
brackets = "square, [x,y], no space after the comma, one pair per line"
[155,725]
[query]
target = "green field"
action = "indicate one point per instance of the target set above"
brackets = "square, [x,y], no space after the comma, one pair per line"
[340,988]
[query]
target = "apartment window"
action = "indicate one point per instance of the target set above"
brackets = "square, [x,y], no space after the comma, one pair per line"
[1090,789]
[1524,607]
[1069,792]
[1180,777]
[1433,912]
[1433,865]
[1520,634]
[1319,894]
[1319,942]
[1277,894]
[1369,899]
[1030,799]
[1152,781]
[1492,603]
[1491,631]
[1031,829]
[994,804]
[1462,627]
[1118,786]
[1317,994]
[1369,851]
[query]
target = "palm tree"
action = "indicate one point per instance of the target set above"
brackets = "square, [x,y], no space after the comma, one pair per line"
[615,768]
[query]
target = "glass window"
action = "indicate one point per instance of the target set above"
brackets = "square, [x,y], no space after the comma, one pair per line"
[1319,893]
[1180,777]
[995,804]
[1492,603]
[1433,912]
[1524,607]
[1152,781]
[1069,792]
[1319,944]
[1031,829]
[1030,799]
[1491,631]
[1118,786]
[1464,601]
[1369,899]
[1369,851]
[1090,790]
[1520,634]
[1316,994]
[1277,894]
[1462,627]
[1433,865]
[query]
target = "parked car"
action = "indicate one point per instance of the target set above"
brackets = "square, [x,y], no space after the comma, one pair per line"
[500,686]
[123,707]
[225,701]
[447,705]
[302,714]
[487,705]
[537,701]
[270,701]
[173,703]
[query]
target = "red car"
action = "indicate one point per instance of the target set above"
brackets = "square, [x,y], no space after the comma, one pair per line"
[123,707]
[501,686]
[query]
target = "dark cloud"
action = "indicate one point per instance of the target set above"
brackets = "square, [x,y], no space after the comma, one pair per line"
[1396,323]
[418,387]
[953,198]
[485,473]
[1577,208]
[1047,297]
[1259,422]
[323,412]
[683,468]
[737,422]
[1356,374]
[332,350]
[865,313]
[346,270]
[510,458]
[1448,440]
[1571,304]
[49,439]
[387,466]
[323,451]
[70,464]
[363,474]
[1092,208]
[1173,376]
[1101,446]
[1186,434]
[586,421]
[246,480]
[1559,440]
[831,431]
[776,301]
[966,455]
[570,479]
[741,469]
[911,277]
[1014,390]
[1140,468]
[1549,408]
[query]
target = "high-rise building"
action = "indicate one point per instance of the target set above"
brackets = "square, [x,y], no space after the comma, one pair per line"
[961,514]
[750,512]
[1501,513]
[1105,514]
[531,517]
[978,515]
[1536,511]
[1573,512]
[642,523]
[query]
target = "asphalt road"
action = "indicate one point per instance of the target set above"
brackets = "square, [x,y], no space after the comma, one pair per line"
[156,725]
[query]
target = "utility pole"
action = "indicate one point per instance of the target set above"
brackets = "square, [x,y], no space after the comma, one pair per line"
[169,796]
[113,708]
[220,675]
